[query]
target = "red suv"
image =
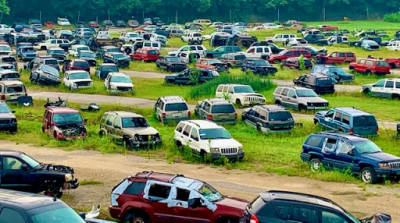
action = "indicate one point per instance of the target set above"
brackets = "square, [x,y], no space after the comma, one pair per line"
[159,197]
[148,54]
[370,66]
[283,55]
[63,123]
[336,57]
[76,64]
[393,62]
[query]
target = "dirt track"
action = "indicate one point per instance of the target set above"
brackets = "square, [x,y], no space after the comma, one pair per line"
[110,169]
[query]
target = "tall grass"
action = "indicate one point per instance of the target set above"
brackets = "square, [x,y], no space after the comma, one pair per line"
[208,89]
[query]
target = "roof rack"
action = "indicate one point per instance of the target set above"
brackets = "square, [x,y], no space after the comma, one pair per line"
[303,194]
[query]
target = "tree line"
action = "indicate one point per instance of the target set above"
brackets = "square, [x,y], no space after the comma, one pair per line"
[187,10]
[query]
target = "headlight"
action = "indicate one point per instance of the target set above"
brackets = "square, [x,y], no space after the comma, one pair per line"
[240,149]
[246,98]
[68,177]
[75,85]
[113,86]
[13,120]
[384,165]
[214,150]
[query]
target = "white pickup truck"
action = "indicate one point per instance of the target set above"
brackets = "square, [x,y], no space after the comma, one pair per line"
[280,37]
[4,29]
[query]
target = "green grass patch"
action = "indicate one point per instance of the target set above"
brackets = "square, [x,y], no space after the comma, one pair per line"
[90,182]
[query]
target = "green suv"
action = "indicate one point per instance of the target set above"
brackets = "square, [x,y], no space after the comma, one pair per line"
[217,110]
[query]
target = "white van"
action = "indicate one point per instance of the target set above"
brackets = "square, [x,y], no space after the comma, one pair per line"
[394,45]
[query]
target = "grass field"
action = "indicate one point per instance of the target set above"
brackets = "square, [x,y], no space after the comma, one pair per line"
[274,153]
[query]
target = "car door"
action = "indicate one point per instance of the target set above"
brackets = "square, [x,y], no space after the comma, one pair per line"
[109,126]
[292,99]
[117,128]
[345,158]
[158,195]
[183,77]
[337,121]
[329,151]
[15,174]
[186,135]
[201,109]
[359,66]
[250,119]
[194,139]
[327,120]
[66,80]
[284,97]
[378,88]
[388,90]
[303,213]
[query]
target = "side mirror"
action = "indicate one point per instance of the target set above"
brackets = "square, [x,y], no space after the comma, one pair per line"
[294,96]
[117,127]
[13,111]
[194,203]
[373,85]
[24,167]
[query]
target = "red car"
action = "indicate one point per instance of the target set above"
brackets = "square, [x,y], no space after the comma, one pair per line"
[76,64]
[294,63]
[145,55]
[50,24]
[336,58]
[140,27]
[327,27]
[211,64]
[283,55]
[370,66]
[63,123]
[164,198]
[93,24]
[393,62]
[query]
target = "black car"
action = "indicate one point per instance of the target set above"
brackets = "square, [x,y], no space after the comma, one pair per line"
[57,53]
[274,48]
[311,39]
[103,70]
[321,84]
[21,207]
[185,78]
[120,59]
[107,49]
[171,63]
[8,121]
[268,118]
[285,206]
[22,172]
[258,66]
[89,56]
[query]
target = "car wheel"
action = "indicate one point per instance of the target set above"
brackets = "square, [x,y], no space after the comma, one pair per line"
[238,102]
[277,102]
[367,72]
[368,175]
[128,144]
[101,134]
[315,165]
[138,218]
[366,91]
[258,127]
[302,107]
[316,122]
[395,96]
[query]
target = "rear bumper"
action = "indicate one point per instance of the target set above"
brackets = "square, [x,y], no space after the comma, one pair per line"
[166,120]
[228,122]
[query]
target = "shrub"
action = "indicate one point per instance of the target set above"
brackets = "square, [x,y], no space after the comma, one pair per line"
[301,63]
[392,17]
[208,89]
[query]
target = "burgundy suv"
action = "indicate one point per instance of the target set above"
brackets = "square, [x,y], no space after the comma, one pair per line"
[283,55]
[159,197]
[76,64]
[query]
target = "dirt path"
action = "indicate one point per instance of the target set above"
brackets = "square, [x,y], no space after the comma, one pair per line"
[110,169]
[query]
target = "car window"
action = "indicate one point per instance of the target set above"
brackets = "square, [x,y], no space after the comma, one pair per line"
[182,194]
[10,215]
[11,163]
[180,127]
[369,63]
[361,62]
[259,50]
[290,53]
[346,119]
[380,83]
[329,145]
[159,191]
[338,117]
[220,87]
[314,141]
[397,86]
[285,92]
[329,114]
[110,120]
[136,188]
[304,215]
[389,84]
[342,55]
[194,134]
[297,53]
[292,94]
[334,55]
[329,217]
[117,122]
[343,147]
[186,130]
[350,55]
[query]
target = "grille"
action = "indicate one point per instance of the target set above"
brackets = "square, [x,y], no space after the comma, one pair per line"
[318,104]
[145,138]
[5,121]
[395,165]
[124,88]
[83,83]
[256,99]
[229,151]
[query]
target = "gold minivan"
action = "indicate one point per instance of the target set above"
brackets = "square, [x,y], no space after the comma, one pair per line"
[12,90]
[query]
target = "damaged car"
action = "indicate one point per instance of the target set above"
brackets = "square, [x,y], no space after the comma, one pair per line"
[150,197]
[89,56]
[44,74]
[63,123]
[77,79]
[8,121]
[118,82]
[23,173]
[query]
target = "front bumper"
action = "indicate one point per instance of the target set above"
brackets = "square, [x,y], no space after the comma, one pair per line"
[144,144]
[9,127]
[317,107]
[73,184]
[305,157]
[388,173]
[238,156]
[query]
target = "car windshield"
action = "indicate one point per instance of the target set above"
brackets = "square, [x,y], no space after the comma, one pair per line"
[176,107]
[261,63]
[28,49]
[210,193]
[67,118]
[173,59]
[217,133]
[88,54]
[14,76]
[57,52]
[110,68]
[51,70]
[82,48]
[283,52]
[366,146]
[57,213]
[120,79]
[119,56]
[81,64]
[4,109]
[153,52]
[53,62]
[134,35]
[364,121]
[75,76]
[32,162]
[5,48]
[222,109]
[306,93]
[243,89]
[280,116]
[134,122]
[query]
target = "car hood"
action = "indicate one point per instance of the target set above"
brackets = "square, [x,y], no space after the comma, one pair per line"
[87,58]
[224,143]
[250,94]
[142,131]
[367,85]
[312,99]
[122,84]
[173,52]
[6,115]
[81,80]
[379,157]
[233,203]
[322,113]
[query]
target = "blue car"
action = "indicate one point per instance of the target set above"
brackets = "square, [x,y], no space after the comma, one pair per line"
[26,53]
[348,120]
[337,74]
[258,66]
[346,152]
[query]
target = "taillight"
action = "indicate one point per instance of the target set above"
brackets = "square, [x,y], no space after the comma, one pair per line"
[209,117]
[163,115]
[26,93]
[3,97]
[253,219]
[377,129]
[189,114]
[235,115]
[351,131]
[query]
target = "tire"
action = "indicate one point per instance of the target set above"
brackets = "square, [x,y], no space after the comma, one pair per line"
[367,72]
[351,68]
[43,48]
[203,154]
[238,102]
[395,96]
[277,102]
[302,107]
[143,60]
[366,91]
[101,134]
[316,122]
[368,175]
[128,144]
[392,65]
[259,128]
[139,218]
[315,165]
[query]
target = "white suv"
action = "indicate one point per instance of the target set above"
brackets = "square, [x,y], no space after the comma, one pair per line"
[118,82]
[200,49]
[207,138]
[240,94]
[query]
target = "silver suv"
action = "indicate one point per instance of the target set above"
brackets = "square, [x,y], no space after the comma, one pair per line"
[218,110]
[171,108]
[299,98]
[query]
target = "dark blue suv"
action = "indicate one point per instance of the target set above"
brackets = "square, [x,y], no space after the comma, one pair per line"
[337,74]
[285,206]
[258,66]
[348,120]
[347,152]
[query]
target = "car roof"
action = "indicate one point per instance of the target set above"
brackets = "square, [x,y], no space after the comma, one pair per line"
[203,124]
[62,109]
[271,107]
[25,200]
[56,48]
[10,152]
[78,60]
[294,87]
[217,101]
[352,111]
[342,135]
[107,64]
[117,74]
[173,99]
[124,114]
[235,85]
[8,83]
[176,179]
[75,71]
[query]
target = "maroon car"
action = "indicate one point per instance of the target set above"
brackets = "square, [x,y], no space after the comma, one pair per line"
[93,24]
[283,55]
[294,63]
[336,58]
[164,198]
[76,64]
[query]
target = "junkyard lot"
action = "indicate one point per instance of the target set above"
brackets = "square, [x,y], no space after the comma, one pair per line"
[110,169]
